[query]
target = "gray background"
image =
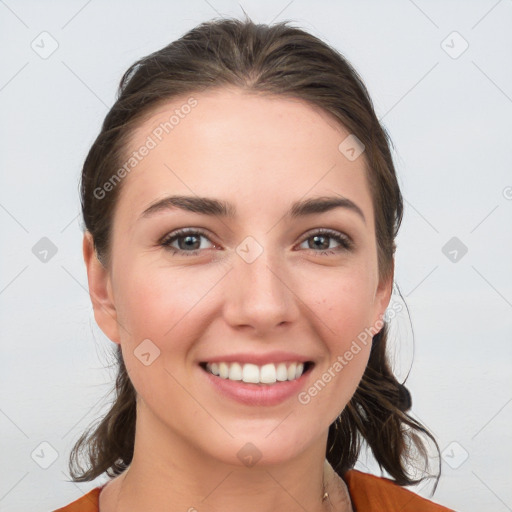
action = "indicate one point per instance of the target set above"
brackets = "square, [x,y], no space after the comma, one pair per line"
[448,113]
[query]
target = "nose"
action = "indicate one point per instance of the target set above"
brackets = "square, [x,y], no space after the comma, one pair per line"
[260,295]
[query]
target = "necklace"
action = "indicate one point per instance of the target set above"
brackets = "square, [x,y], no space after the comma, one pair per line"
[338,489]
[325,493]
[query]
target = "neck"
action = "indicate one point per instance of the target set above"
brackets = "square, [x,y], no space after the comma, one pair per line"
[130,495]
[175,476]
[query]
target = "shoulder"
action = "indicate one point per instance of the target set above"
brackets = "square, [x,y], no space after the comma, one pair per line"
[371,493]
[87,503]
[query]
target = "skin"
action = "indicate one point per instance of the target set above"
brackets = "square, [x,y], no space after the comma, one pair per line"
[261,153]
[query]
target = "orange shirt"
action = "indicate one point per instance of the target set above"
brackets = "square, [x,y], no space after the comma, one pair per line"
[369,493]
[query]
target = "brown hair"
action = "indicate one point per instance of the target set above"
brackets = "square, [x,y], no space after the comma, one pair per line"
[275,60]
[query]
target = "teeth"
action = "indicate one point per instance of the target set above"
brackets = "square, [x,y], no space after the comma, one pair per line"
[268,374]
[235,372]
[281,372]
[252,373]
[223,370]
[291,371]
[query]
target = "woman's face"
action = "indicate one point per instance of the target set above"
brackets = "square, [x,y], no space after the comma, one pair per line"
[262,284]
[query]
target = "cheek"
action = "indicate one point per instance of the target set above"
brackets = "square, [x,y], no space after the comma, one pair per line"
[154,301]
[342,299]
[168,307]
[341,309]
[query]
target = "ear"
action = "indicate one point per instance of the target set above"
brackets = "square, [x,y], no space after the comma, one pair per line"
[383,294]
[100,291]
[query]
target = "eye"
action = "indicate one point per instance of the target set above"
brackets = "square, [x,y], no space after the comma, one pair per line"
[188,241]
[321,239]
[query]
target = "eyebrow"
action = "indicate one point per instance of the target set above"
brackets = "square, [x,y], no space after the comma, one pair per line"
[218,208]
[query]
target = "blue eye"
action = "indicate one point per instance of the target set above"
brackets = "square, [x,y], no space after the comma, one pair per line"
[189,242]
[187,239]
[321,239]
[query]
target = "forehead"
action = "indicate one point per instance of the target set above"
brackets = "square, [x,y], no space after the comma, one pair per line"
[228,143]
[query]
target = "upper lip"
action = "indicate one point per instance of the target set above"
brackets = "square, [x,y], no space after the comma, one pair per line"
[259,359]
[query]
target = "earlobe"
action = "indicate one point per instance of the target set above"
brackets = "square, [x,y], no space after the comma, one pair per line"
[100,291]
[383,293]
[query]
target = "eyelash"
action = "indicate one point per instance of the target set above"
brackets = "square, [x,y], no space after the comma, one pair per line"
[345,242]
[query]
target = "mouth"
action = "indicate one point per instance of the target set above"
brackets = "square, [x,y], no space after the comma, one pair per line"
[262,375]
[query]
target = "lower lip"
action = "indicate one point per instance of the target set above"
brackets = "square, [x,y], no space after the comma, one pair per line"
[257,394]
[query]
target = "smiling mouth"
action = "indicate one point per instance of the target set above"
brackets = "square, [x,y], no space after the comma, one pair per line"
[267,374]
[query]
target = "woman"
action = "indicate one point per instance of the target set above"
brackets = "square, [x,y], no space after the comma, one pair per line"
[241,207]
